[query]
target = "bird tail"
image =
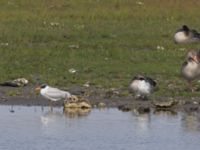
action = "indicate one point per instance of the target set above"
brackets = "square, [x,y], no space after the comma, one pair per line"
[196,34]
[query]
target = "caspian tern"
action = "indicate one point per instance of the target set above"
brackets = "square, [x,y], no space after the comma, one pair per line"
[52,93]
[142,86]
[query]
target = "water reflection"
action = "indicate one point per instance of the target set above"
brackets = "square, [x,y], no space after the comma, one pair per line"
[12,109]
[40,128]
[55,115]
[76,112]
[142,120]
[191,122]
[165,112]
[50,117]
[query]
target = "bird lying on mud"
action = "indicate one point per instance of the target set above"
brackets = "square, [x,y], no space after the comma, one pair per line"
[142,86]
[20,82]
[186,35]
[53,94]
[190,69]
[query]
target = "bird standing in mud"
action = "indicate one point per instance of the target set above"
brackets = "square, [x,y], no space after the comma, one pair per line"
[190,69]
[142,86]
[186,35]
[53,94]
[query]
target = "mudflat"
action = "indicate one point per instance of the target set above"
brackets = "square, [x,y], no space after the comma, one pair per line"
[97,96]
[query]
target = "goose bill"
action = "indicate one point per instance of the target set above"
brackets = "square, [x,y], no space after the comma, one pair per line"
[195,59]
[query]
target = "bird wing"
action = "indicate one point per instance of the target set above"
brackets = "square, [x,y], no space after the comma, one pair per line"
[197,36]
[151,81]
[184,64]
[56,94]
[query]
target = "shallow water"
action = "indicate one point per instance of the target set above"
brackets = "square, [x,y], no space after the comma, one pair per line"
[37,128]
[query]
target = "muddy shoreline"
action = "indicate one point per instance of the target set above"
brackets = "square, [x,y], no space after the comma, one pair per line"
[111,98]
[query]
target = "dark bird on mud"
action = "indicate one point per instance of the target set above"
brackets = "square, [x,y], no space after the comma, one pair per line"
[142,86]
[53,94]
[190,69]
[186,35]
[20,82]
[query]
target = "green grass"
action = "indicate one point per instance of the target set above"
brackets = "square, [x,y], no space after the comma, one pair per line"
[106,41]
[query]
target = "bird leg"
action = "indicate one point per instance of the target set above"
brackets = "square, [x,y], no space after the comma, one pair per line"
[141,97]
[137,96]
[145,98]
[190,86]
[51,107]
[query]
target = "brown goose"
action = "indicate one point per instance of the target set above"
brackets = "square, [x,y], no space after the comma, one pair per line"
[190,69]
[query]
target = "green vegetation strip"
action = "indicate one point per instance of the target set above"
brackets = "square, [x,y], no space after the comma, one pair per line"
[106,42]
